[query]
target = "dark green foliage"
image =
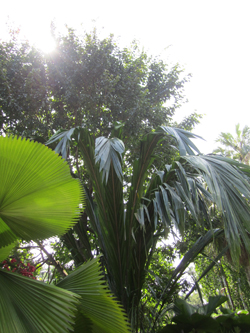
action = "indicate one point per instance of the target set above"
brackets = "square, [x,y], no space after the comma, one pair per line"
[190,319]
[224,278]
[216,273]
[24,104]
[159,273]
[128,218]
[85,81]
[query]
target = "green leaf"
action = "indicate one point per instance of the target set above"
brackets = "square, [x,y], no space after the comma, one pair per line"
[97,304]
[38,196]
[213,303]
[229,189]
[183,308]
[5,251]
[186,146]
[28,306]
[107,152]
[64,144]
[195,250]
[204,273]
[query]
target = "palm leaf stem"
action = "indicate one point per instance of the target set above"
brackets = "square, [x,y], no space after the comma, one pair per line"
[204,273]
[116,225]
[153,247]
[186,260]
[81,231]
[136,190]
[141,176]
[227,289]
[93,174]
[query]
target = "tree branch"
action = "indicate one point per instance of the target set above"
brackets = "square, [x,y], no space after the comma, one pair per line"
[53,262]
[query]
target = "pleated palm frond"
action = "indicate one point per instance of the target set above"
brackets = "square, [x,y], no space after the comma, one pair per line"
[63,145]
[230,191]
[185,145]
[5,251]
[141,168]
[143,214]
[107,211]
[38,196]
[98,309]
[177,194]
[109,151]
[29,306]
[196,182]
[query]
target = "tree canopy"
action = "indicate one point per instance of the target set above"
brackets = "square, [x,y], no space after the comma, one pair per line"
[85,81]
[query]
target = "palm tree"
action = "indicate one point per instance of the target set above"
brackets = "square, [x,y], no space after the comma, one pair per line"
[129,217]
[237,147]
[39,199]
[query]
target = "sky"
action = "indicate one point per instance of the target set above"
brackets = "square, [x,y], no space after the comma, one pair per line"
[209,39]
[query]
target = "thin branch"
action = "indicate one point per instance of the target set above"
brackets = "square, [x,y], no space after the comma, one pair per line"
[53,262]
[27,247]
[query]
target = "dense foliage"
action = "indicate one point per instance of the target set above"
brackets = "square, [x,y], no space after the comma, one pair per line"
[107,112]
[191,319]
[85,81]
[225,277]
[128,218]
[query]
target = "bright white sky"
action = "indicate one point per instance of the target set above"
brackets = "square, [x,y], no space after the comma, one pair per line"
[210,39]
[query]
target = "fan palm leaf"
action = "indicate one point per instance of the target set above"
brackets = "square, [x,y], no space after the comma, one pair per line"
[38,196]
[79,302]
[28,306]
[97,306]
[5,251]
[38,199]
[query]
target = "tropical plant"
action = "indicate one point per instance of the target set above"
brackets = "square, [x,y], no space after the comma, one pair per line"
[130,206]
[158,275]
[226,276]
[193,319]
[237,147]
[38,199]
